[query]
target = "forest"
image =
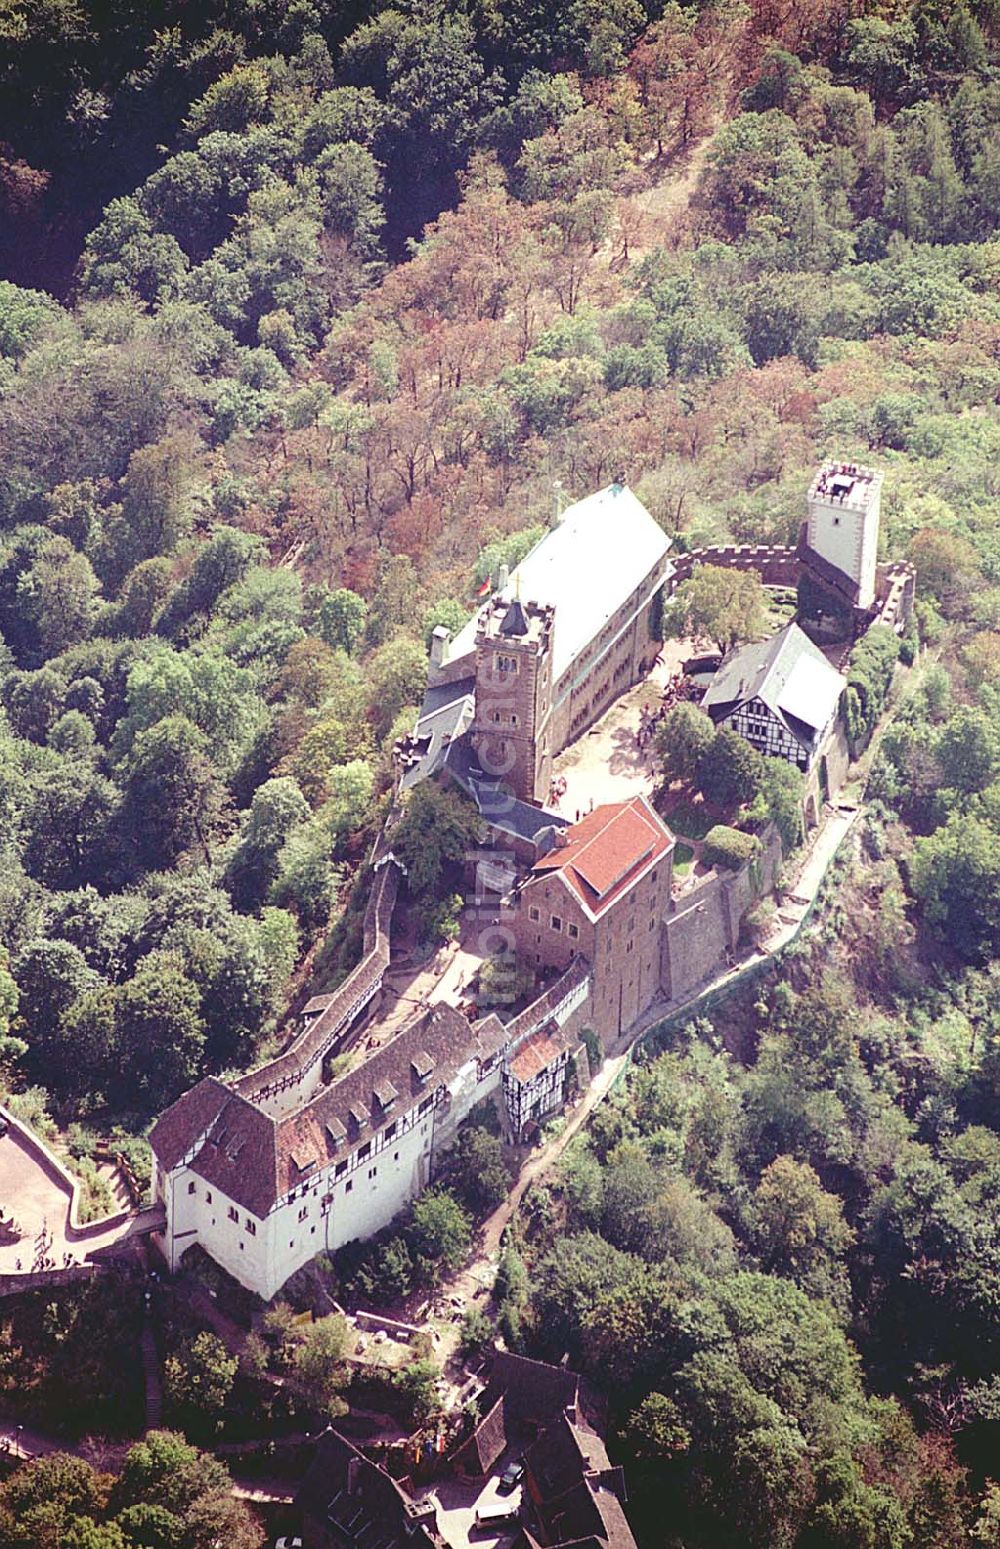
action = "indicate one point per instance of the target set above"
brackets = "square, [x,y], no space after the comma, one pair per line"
[308,314]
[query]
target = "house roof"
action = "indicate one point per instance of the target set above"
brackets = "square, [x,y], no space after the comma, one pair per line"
[607,851]
[539,1050]
[789,674]
[180,1126]
[577,1493]
[497,807]
[233,1142]
[535,1390]
[488,1442]
[256,1160]
[609,535]
[521,1398]
[445,716]
[388,1083]
[351,1500]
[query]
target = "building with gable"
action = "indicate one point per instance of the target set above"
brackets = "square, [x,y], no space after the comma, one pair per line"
[573,626]
[600,893]
[783,697]
[572,1493]
[294,1158]
[264,1194]
[269,1171]
[348,1502]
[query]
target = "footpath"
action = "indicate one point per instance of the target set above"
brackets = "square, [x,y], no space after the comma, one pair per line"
[796,907]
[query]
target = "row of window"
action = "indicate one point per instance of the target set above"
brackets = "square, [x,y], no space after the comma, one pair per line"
[555,922]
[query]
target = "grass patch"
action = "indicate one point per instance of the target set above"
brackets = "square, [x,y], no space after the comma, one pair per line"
[683,856]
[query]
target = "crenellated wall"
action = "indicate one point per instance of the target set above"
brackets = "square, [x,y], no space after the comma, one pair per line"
[776,565]
[287,1082]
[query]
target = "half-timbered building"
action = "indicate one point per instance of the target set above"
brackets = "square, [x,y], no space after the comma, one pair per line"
[781,695]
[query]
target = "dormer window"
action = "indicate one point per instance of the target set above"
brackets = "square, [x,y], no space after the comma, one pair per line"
[359,1115]
[421,1065]
[386,1095]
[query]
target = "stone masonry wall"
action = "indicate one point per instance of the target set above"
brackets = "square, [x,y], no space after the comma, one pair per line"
[776,566]
[704,925]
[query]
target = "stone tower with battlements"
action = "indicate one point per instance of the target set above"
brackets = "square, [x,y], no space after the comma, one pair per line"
[510,732]
[844,505]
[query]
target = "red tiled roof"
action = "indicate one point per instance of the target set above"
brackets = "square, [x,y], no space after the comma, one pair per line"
[607,850]
[539,1049]
[534,1054]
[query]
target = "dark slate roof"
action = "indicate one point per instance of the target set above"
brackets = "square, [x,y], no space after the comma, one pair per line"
[562,1455]
[445,716]
[501,810]
[349,1500]
[181,1125]
[480,1452]
[535,1391]
[514,622]
[788,673]
[520,1399]
[576,1492]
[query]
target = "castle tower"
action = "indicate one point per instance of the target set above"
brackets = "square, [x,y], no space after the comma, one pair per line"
[844,504]
[514,696]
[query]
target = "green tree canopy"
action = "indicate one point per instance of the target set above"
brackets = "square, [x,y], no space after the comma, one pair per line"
[724,605]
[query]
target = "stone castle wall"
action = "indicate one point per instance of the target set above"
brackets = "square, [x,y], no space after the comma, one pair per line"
[776,565]
[704,924]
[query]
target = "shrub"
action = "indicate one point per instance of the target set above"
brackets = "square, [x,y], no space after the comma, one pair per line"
[869,676]
[476,1333]
[730,770]
[595,1050]
[758,922]
[728,847]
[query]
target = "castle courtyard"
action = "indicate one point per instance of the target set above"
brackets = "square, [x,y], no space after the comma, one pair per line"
[607,763]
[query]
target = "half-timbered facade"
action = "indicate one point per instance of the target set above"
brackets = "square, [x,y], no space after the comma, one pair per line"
[781,695]
[537,1075]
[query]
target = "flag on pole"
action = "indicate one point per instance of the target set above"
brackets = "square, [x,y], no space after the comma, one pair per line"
[482,590]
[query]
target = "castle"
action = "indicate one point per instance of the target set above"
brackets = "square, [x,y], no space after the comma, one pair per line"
[295,1158]
[560,639]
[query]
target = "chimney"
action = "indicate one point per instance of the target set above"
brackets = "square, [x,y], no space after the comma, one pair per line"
[440,638]
[557,502]
[503,576]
